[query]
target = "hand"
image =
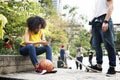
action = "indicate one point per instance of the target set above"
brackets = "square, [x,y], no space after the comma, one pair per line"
[64,55]
[43,42]
[46,43]
[105,27]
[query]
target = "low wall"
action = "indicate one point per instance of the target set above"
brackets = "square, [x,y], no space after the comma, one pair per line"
[17,63]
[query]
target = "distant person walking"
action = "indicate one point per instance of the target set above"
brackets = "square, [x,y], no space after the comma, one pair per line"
[62,53]
[67,53]
[90,56]
[79,56]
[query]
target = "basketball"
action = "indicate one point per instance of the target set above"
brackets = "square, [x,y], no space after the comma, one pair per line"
[46,65]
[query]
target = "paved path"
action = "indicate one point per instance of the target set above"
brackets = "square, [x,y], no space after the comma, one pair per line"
[68,74]
[64,74]
[105,63]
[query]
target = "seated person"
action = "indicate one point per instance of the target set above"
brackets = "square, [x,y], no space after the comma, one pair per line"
[32,41]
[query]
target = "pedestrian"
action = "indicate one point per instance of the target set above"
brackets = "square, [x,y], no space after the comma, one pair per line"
[79,56]
[33,42]
[90,56]
[67,53]
[62,53]
[7,43]
[103,32]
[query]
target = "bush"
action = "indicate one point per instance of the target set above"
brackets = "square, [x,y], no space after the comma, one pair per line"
[4,51]
[117,42]
[17,43]
[1,43]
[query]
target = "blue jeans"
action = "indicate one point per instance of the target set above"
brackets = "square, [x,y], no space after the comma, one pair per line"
[62,53]
[34,51]
[104,37]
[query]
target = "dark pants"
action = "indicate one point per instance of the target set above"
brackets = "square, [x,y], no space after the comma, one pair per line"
[62,57]
[62,53]
[79,59]
[90,59]
[107,38]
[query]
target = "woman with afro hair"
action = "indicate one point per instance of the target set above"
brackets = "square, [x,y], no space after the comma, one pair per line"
[32,41]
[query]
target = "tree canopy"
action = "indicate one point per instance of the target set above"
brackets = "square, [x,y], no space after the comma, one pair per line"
[17,14]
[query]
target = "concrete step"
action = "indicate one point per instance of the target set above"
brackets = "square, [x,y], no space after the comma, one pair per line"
[62,74]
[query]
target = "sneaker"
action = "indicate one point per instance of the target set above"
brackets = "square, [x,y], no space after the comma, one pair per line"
[96,67]
[45,72]
[111,71]
[39,70]
[53,71]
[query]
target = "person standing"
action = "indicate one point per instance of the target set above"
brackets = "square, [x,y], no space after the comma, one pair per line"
[67,53]
[90,56]
[103,32]
[79,56]
[62,53]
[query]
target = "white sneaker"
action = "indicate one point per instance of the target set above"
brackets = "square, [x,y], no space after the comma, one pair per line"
[43,72]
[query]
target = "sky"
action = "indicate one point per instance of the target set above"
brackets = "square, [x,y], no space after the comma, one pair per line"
[86,7]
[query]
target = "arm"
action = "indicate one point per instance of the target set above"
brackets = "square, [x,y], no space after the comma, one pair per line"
[26,39]
[43,37]
[76,53]
[110,9]
[83,52]
[108,15]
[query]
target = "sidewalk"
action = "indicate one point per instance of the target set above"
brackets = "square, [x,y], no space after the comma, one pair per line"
[62,74]
[68,74]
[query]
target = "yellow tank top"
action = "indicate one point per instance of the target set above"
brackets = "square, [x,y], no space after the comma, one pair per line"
[33,37]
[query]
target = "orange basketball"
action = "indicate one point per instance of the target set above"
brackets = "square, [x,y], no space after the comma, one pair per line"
[46,65]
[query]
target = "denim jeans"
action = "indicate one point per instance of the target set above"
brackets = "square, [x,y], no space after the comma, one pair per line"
[62,53]
[104,37]
[79,59]
[34,51]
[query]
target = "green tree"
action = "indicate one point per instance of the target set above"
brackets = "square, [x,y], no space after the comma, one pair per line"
[55,31]
[76,25]
[84,40]
[17,13]
[48,8]
[117,42]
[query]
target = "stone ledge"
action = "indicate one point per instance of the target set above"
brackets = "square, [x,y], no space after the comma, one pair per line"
[18,63]
[62,74]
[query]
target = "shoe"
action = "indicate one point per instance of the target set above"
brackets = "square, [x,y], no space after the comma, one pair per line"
[45,72]
[42,72]
[53,71]
[39,70]
[96,67]
[111,71]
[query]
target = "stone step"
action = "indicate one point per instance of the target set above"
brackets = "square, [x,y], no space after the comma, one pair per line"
[62,74]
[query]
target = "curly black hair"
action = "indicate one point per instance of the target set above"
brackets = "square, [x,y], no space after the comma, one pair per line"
[6,39]
[34,22]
